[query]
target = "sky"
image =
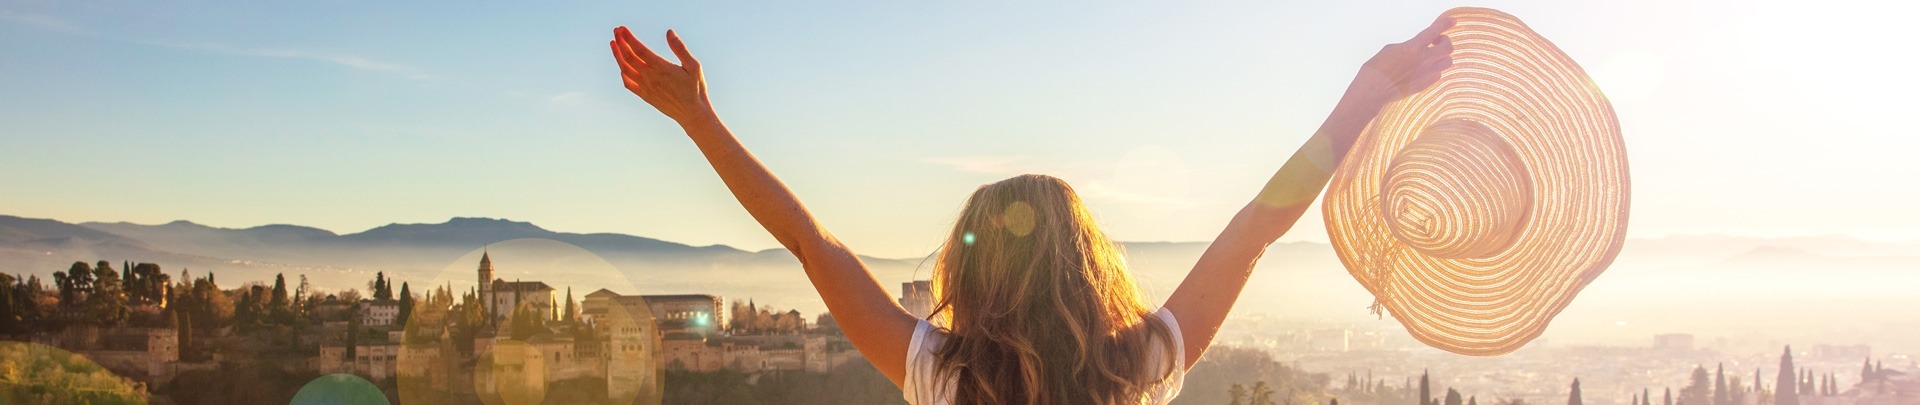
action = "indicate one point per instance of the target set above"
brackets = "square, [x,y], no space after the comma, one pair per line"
[1764,118]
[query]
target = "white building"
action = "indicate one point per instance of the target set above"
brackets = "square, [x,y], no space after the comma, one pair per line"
[1330,340]
[375,313]
[504,296]
[697,314]
[1673,341]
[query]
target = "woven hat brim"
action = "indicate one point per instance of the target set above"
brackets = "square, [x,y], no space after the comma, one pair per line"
[1476,237]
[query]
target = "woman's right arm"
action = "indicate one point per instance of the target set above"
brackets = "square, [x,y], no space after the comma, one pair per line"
[874,323]
[1202,301]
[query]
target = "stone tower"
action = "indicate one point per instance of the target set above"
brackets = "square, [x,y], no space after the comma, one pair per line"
[486,276]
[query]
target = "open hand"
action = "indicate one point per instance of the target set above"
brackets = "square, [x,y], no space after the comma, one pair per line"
[677,90]
[1401,69]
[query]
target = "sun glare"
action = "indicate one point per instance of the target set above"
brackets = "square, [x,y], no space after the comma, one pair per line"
[1629,75]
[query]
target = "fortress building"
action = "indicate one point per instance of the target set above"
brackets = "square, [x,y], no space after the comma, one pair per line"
[503,296]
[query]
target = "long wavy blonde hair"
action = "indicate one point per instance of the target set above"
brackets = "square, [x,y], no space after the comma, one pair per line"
[1038,304]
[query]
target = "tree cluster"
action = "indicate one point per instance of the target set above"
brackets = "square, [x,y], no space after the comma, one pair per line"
[1211,380]
[749,318]
[1366,389]
[84,294]
[1791,384]
[25,303]
[381,287]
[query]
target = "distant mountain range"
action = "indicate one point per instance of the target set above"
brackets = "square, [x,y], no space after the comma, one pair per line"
[1297,279]
[377,247]
[40,246]
[335,261]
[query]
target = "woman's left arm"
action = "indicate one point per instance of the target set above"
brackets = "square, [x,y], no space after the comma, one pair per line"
[1202,301]
[872,320]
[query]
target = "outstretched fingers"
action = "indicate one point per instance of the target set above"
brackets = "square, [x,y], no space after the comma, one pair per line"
[631,67]
[1433,32]
[626,60]
[637,48]
[680,51]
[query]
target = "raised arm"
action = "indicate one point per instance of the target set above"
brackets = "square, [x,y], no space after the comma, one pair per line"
[876,325]
[1202,301]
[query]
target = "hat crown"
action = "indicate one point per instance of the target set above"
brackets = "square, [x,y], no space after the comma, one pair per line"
[1476,209]
[1457,191]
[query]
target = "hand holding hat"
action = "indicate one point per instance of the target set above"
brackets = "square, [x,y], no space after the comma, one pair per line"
[1475,209]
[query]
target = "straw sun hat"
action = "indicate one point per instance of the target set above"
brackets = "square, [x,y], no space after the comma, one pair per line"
[1475,210]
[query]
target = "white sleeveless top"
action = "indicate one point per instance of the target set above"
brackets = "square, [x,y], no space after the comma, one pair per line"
[924,387]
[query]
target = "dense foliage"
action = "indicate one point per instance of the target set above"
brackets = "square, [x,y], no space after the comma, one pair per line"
[37,374]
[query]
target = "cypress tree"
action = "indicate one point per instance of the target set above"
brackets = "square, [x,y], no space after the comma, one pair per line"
[279,299]
[1720,384]
[1784,392]
[242,312]
[126,281]
[1573,398]
[1426,393]
[571,318]
[382,287]
[406,304]
[1699,389]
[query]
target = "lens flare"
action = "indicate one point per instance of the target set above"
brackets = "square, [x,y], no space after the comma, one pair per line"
[339,388]
[1018,218]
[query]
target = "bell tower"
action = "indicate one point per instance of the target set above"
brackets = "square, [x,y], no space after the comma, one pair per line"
[486,276]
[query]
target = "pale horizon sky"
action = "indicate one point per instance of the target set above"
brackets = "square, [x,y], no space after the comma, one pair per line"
[1769,118]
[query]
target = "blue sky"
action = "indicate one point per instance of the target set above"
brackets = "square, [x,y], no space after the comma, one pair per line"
[1753,118]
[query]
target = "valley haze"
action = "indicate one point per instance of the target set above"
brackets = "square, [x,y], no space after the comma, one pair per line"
[1729,290]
